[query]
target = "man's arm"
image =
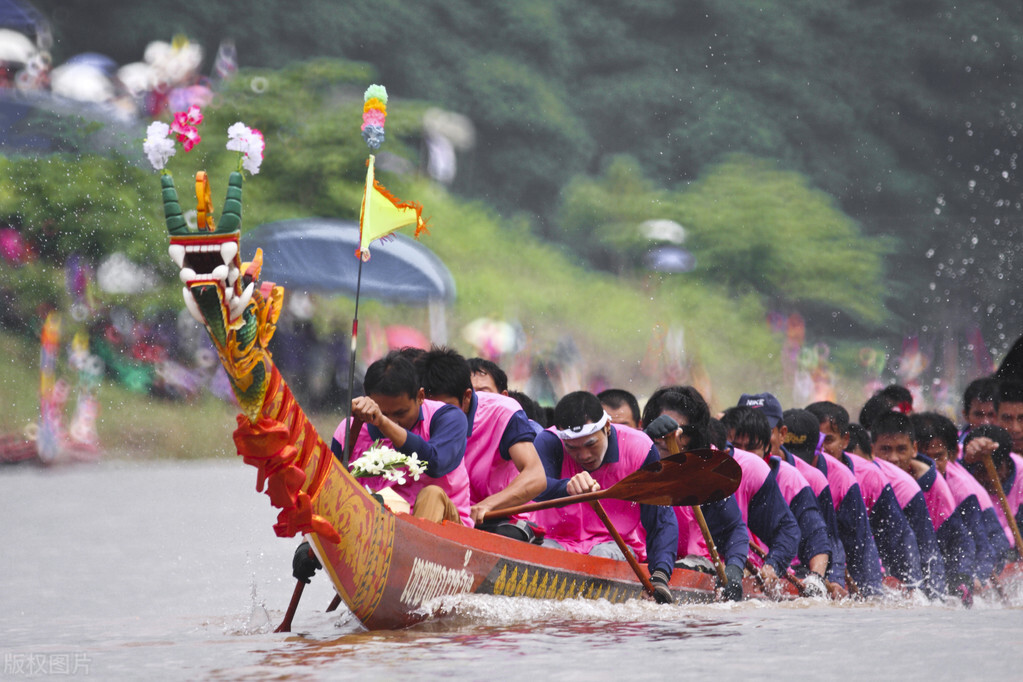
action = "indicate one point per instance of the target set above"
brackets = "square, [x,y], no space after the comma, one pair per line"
[728,530]
[814,545]
[861,552]
[896,542]
[527,485]
[771,520]
[548,447]
[446,447]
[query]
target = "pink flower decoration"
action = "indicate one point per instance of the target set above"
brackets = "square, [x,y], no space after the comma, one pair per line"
[189,138]
[184,126]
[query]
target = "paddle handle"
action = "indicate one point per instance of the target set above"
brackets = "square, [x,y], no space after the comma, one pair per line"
[719,567]
[546,504]
[620,541]
[289,615]
[672,442]
[996,483]
[351,436]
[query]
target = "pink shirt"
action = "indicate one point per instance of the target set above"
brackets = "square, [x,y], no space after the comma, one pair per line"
[814,476]
[455,484]
[871,479]
[488,471]
[940,502]
[903,484]
[690,537]
[754,472]
[576,526]
[840,479]
[962,484]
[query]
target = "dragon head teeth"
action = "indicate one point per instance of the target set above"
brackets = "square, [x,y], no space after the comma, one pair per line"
[228,251]
[177,254]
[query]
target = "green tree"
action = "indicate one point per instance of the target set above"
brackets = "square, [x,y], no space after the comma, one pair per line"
[765,230]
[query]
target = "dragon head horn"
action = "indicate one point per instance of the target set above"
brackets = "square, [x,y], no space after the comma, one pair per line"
[230,218]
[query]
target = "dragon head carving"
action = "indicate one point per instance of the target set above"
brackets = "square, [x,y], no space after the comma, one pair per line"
[221,292]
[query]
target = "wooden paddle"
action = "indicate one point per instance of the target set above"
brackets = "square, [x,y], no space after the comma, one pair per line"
[996,483]
[681,480]
[289,615]
[620,541]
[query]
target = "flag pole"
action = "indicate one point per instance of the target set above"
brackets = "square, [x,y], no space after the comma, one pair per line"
[351,367]
[391,214]
[364,219]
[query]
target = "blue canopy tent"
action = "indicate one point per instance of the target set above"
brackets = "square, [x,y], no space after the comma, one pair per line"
[318,255]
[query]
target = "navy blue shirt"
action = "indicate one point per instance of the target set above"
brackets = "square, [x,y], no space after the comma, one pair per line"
[659,522]
[442,453]
[955,542]
[931,563]
[826,507]
[728,530]
[770,519]
[858,540]
[812,530]
[996,537]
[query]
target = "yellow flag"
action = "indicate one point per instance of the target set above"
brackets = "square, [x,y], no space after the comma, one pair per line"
[383,213]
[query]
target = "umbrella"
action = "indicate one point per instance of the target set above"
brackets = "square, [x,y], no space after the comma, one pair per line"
[492,338]
[670,259]
[21,16]
[318,254]
[101,62]
[401,336]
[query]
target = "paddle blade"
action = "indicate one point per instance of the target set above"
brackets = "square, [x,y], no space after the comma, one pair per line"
[681,480]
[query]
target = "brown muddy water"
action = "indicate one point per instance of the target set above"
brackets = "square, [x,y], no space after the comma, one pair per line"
[171,571]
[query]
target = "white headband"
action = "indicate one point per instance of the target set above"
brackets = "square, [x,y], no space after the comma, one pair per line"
[584,430]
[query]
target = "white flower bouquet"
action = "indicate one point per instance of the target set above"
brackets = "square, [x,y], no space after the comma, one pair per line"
[381,460]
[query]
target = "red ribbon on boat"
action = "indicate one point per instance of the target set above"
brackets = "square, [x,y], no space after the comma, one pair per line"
[264,445]
[301,519]
[267,446]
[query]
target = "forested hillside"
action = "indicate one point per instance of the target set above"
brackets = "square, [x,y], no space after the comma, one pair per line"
[791,139]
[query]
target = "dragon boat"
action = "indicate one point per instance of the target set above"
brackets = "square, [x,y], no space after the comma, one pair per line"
[387,567]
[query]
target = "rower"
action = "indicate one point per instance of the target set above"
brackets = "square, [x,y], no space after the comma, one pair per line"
[1010,412]
[763,507]
[396,412]
[937,437]
[854,524]
[504,469]
[725,524]
[749,432]
[584,452]
[621,405]
[954,541]
[487,376]
[896,542]
[893,447]
[980,404]
[994,442]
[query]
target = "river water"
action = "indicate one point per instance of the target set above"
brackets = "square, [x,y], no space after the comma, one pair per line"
[171,571]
